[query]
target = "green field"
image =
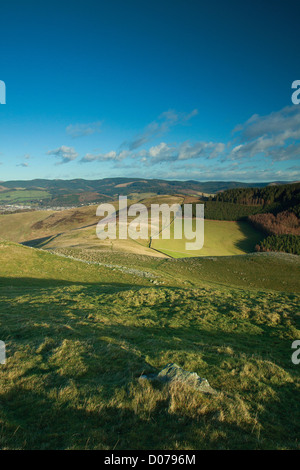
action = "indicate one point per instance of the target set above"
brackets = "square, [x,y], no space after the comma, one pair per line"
[79,335]
[221,238]
[77,227]
[23,196]
[83,319]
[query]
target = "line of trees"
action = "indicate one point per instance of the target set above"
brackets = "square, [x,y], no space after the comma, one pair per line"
[272,199]
[283,223]
[273,210]
[217,210]
[282,243]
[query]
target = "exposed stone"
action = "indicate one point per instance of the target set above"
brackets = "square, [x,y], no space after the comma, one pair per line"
[173,373]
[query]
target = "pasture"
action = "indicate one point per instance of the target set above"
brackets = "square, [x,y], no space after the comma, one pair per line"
[221,238]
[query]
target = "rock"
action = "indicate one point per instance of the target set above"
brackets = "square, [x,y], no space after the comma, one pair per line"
[173,373]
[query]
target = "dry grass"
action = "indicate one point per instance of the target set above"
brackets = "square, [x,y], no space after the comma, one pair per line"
[79,337]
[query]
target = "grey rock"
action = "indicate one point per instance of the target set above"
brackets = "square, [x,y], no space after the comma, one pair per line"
[173,373]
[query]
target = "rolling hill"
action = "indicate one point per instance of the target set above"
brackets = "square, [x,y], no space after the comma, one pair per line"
[83,320]
[80,334]
[77,228]
[47,193]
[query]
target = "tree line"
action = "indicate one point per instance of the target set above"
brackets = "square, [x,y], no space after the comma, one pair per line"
[273,210]
[282,243]
[272,199]
[283,223]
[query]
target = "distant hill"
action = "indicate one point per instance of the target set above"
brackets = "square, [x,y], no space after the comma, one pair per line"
[81,191]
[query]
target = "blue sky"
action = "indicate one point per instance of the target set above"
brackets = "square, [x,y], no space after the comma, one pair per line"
[162,89]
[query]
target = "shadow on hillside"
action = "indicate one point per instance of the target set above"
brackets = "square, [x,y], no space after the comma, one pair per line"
[54,402]
[51,283]
[107,408]
[86,299]
[38,242]
[249,242]
[37,421]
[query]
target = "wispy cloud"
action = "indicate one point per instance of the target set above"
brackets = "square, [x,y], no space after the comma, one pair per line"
[81,130]
[255,151]
[226,173]
[24,165]
[275,136]
[160,126]
[64,153]
[105,157]
[162,153]
[185,151]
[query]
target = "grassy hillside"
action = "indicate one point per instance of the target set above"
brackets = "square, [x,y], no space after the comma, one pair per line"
[86,238]
[77,227]
[59,229]
[80,335]
[221,238]
[267,271]
[27,226]
[20,227]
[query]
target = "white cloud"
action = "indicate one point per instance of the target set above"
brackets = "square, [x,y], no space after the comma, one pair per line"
[285,121]
[228,173]
[160,126]
[185,151]
[64,153]
[275,136]
[24,164]
[105,157]
[272,138]
[207,150]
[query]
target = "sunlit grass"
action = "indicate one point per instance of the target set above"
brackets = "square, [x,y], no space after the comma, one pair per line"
[221,238]
[79,336]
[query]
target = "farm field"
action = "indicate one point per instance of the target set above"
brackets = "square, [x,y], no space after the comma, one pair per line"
[77,227]
[22,196]
[221,238]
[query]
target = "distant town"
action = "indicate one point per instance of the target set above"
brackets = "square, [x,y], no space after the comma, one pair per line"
[14,208]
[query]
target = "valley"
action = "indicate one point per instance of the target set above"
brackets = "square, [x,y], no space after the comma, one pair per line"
[84,319]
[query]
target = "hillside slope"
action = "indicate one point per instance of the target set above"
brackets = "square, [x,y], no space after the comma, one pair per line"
[50,193]
[77,227]
[80,335]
